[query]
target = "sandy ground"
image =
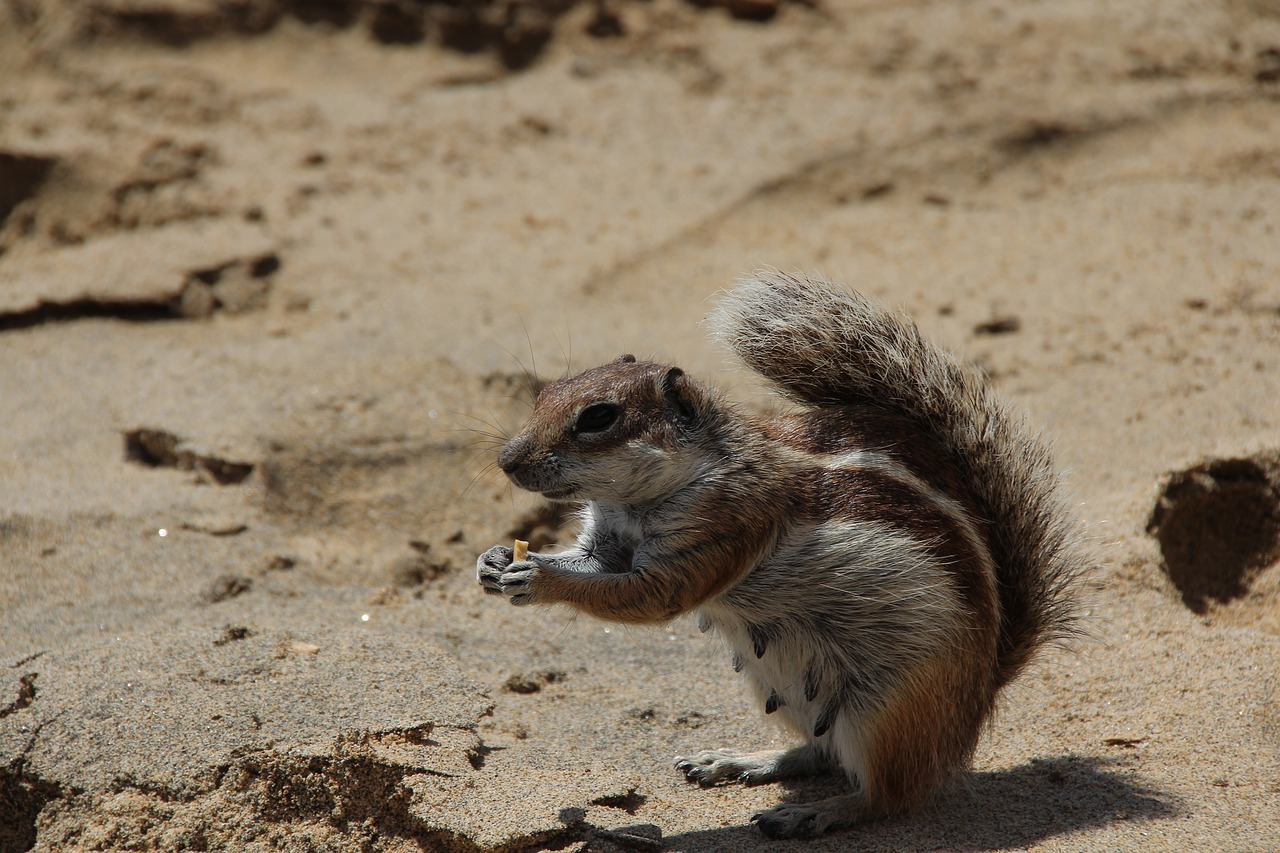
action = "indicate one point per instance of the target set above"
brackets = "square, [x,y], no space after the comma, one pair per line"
[271,277]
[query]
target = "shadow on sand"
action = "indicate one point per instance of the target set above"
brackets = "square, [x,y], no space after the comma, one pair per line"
[993,810]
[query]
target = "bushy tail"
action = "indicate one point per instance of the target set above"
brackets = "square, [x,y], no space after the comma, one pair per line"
[824,346]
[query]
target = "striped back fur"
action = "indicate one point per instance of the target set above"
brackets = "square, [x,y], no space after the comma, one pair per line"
[824,346]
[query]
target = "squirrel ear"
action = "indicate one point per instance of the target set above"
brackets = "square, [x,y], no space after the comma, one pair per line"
[626,359]
[675,390]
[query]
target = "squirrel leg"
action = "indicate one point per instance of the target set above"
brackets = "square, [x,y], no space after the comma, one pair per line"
[715,766]
[809,820]
[518,582]
[609,590]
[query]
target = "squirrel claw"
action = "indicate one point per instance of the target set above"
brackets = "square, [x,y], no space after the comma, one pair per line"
[698,773]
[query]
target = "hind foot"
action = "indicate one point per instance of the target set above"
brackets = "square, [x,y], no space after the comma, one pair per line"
[809,820]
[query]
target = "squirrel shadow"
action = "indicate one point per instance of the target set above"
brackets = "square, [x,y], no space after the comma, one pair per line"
[992,810]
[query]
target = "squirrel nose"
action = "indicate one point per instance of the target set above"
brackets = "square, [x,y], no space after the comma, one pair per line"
[512,457]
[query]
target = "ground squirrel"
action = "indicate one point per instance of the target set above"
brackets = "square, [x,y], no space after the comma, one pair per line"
[882,560]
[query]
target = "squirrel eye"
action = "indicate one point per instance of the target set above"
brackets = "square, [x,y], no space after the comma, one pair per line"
[597,417]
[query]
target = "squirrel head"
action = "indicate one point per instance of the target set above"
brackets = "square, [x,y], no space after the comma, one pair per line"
[626,432]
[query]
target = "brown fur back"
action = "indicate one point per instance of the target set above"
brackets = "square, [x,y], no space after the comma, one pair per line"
[828,348]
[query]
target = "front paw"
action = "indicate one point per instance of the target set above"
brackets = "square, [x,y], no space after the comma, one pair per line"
[712,767]
[499,576]
[491,565]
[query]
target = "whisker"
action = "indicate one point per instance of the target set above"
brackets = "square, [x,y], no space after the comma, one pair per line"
[530,378]
[478,455]
[483,438]
[486,470]
[568,356]
[495,438]
[468,415]
[524,401]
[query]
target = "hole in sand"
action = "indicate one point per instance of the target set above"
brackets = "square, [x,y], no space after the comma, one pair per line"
[1218,525]
[630,802]
[157,448]
[22,798]
[398,23]
[21,176]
